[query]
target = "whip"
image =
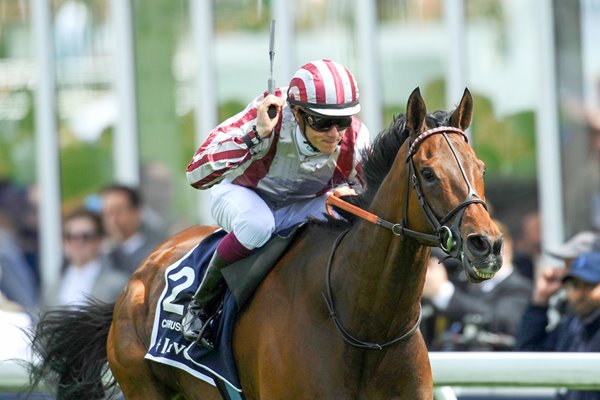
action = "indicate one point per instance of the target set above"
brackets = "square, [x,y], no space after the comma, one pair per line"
[271,83]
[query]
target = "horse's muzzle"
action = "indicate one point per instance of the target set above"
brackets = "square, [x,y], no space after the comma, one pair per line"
[482,257]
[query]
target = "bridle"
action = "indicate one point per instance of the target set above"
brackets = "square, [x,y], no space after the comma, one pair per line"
[446,237]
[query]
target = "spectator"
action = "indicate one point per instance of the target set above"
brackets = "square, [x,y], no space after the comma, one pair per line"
[528,245]
[485,316]
[17,280]
[579,330]
[86,272]
[128,241]
[14,321]
[581,243]
[19,206]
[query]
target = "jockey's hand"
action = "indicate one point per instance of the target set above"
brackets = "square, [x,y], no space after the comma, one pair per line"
[264,124]
[343,191]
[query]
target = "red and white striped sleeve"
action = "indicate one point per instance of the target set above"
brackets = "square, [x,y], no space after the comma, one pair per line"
[226,149]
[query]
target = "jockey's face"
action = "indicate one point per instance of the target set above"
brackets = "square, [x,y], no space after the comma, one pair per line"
[325,140]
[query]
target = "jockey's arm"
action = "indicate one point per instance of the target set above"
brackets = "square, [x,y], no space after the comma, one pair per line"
[240,139]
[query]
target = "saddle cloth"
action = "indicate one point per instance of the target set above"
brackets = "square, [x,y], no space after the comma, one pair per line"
[168,346]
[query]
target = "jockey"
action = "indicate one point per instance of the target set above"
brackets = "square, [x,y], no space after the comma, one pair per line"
[266,175]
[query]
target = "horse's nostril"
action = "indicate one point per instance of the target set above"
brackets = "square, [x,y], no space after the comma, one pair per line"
[497,247]
[479,245]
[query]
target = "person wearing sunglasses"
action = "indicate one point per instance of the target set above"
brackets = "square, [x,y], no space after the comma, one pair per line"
[267,174]
[86,271]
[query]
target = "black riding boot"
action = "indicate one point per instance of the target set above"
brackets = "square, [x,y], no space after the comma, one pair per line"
[210,287]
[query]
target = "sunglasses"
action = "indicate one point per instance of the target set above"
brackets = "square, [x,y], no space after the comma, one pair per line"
[323,124]
[80,237]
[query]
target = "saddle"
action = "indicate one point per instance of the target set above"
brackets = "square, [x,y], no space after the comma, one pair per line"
[242,278]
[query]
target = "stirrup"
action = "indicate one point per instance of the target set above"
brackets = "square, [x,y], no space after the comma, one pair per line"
[191,318]
[208,330]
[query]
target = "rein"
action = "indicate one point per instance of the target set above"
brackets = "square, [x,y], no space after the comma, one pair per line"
[397,229]
[447,238]
[345,334]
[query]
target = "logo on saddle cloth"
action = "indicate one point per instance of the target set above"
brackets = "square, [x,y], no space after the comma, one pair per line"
[167,346]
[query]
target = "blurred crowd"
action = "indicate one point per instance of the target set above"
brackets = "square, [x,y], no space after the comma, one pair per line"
[104,239]
[467,316]
[526,306]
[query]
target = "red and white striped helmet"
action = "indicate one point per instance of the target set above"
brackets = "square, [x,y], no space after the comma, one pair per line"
[324,87]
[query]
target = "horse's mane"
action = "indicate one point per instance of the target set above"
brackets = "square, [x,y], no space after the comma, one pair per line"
[379,157]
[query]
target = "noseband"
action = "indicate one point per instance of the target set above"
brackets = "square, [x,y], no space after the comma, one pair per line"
[446,237]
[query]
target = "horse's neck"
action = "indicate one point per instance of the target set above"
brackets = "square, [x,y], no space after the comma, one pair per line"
[381,275]
[388,270]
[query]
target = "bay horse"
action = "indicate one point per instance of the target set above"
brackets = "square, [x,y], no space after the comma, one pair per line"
[338,315]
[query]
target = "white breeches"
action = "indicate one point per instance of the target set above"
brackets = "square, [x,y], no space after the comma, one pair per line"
[241,210]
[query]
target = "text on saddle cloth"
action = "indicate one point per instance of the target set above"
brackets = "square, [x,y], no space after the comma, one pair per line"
[168,346]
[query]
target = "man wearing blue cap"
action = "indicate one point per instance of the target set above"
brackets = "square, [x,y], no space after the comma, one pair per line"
[579,330]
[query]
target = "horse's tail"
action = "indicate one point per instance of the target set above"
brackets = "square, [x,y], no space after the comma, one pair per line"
[69,347]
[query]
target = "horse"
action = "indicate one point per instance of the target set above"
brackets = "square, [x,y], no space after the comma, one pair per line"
[338,315]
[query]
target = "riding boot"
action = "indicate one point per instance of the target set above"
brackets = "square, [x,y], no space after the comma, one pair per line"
[210,287]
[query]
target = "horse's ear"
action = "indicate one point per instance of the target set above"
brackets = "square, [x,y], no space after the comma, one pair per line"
[415,112]
[461,117]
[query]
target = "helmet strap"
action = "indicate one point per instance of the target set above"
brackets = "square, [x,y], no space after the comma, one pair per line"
[303,130]
[312,146]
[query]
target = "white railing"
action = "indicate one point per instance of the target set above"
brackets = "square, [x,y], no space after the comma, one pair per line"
[516,369]
[512,375]
[465,369]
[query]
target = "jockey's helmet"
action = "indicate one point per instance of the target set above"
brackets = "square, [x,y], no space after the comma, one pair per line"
[324,87]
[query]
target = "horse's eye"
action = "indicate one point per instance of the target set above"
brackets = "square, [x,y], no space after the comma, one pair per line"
[427,174]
